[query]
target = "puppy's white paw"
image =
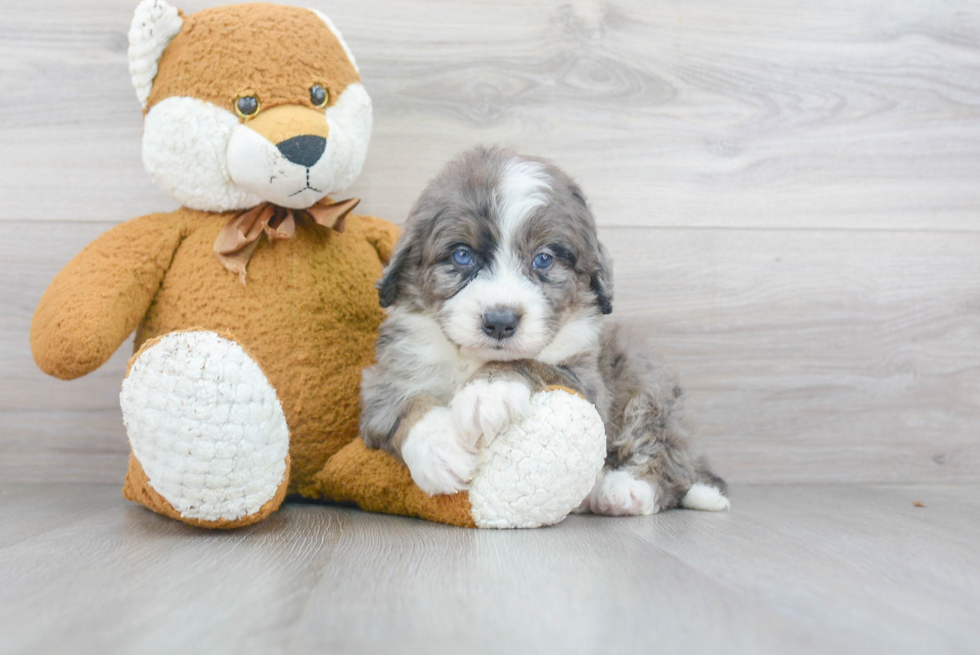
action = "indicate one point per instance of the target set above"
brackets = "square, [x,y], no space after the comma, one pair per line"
[705,497]
[439,459]
[618,493]
[486,408]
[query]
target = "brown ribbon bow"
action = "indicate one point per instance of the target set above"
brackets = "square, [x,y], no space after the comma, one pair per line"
[240,236]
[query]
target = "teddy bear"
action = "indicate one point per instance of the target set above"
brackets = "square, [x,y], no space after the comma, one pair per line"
[254,305]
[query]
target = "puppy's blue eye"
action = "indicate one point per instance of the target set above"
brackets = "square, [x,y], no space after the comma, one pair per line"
[463,257]
[543,261]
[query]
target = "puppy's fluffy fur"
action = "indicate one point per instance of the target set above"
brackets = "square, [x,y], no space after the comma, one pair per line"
[498,288]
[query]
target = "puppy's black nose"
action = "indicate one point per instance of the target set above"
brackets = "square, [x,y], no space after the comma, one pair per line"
[500,323]
[304,150]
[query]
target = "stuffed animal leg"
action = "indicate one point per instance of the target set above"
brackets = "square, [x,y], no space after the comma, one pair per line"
[210,447]
[210,444]
[533,474]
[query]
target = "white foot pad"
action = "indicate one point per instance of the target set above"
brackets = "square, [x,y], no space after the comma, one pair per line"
[705,497]
[206,426]
[620,494]
[538,470]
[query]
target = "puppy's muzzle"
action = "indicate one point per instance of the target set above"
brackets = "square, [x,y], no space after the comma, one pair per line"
[500,324]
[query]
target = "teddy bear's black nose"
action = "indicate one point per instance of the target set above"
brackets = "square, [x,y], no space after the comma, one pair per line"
[304,150]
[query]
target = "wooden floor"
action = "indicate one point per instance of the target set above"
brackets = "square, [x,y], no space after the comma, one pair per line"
[824,569]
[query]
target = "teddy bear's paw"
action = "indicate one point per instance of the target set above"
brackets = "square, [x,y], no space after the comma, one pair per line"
[486,408]
[538,469]
[618,493]
[439,459]
[206,426]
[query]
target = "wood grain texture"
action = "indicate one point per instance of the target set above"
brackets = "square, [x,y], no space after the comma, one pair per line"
[752,113]
[806,355]
[789,191]
[801,569]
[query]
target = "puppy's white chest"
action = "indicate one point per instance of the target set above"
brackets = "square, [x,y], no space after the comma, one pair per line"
[454,369]
[435,365]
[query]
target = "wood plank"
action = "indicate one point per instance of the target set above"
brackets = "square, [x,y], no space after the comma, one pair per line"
[29,510]
[866,553]
[848,356]
[136,582]
[792,568]
[757,113]
[584,587]
[836,354]
[55,445]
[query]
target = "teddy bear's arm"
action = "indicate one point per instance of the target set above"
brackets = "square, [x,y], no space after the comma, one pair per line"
[381,234]
[101,295]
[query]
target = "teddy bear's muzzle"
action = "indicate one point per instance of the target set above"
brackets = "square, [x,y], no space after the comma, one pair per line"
[283,123]
[282,155]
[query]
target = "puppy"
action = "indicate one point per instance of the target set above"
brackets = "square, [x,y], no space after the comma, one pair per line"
[498,288]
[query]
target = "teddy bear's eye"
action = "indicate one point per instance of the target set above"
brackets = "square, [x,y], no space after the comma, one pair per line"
[318,96]
[247,106]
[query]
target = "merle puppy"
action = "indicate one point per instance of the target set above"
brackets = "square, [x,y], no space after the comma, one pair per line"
[498,288]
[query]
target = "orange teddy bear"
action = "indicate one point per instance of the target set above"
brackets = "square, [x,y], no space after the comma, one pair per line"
[253,115]
[254,304]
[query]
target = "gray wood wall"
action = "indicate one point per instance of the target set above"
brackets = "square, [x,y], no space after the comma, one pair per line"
[790,191]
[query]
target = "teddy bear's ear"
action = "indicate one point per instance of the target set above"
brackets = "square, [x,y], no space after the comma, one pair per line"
[338,35]
[155,23]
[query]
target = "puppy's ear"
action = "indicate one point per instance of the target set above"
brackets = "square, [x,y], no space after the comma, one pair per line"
[389,286]
[601,281]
